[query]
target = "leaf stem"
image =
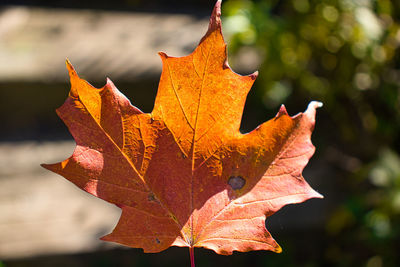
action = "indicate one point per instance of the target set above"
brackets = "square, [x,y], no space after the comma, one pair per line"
[191,252]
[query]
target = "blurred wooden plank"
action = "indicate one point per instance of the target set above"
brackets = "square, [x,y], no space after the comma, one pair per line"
[34,43]
[42,214]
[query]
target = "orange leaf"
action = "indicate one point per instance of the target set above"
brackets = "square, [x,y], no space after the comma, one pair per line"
[184,175]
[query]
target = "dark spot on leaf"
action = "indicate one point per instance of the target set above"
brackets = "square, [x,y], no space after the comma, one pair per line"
[236,182]
[183,155]
[173,217]
[151,197]
[157,241]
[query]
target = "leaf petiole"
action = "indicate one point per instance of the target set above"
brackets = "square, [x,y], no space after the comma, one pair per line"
[191,252]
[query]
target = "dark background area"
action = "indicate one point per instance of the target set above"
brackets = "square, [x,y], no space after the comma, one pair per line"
[174,6]
[342,53]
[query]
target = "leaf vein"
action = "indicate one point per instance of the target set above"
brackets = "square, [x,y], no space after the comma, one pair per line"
[177,96]
[129,162]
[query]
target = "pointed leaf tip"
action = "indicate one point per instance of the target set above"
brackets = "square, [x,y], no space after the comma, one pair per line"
[70,68]
[163,55]
[254,75]
[68,64]
[316,104]
[215,19]
[311,108]
[50,167]
[282,111]
[109,83]
[278,249]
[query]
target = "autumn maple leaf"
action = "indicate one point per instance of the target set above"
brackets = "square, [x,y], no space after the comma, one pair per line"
[184,175]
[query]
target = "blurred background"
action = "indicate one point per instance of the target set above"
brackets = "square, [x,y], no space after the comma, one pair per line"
[344,53]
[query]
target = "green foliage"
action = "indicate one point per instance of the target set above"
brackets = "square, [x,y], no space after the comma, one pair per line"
[346,54]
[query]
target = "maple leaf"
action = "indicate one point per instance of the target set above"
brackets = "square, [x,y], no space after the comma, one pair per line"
[184,175]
